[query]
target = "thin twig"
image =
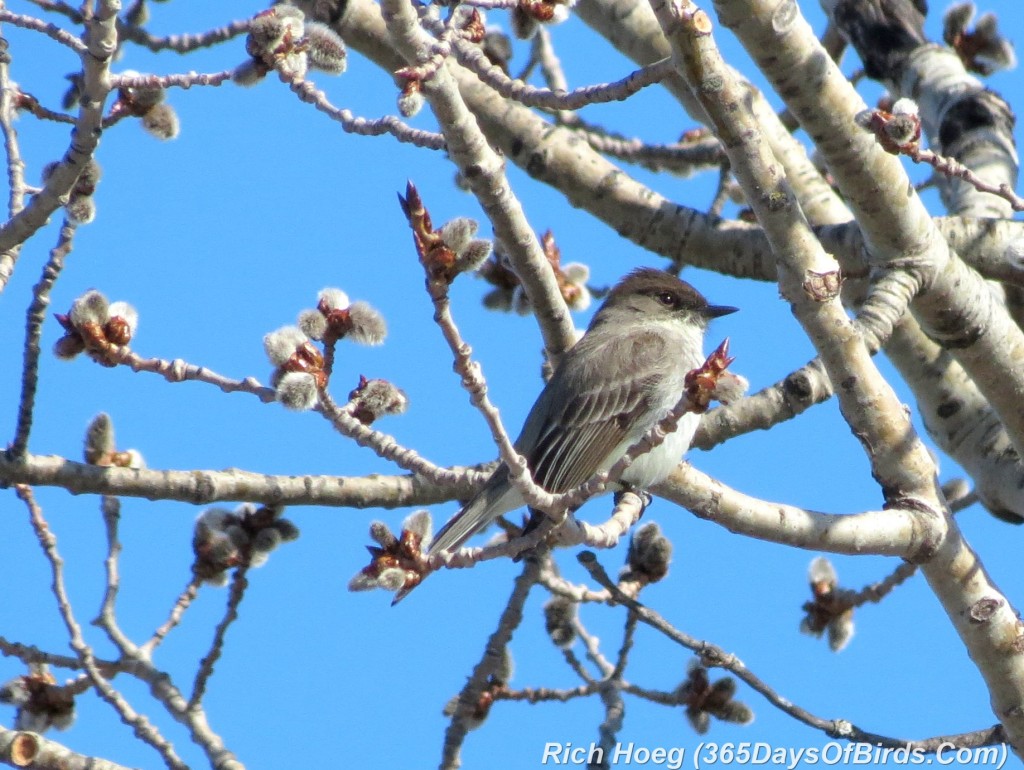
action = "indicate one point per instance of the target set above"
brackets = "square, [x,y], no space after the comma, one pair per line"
[510,619]
[684,157]
[183,43]
[546,694]
[307,92]
[202,487]
[577,666]
[383,444]
[107,620]
[238,585]
[475,385]
[950,167]
[30,654]
[59,6]
[592,645]
[177,612]
[182,371]
[627,644]
[660,697]
[558,99]
[35,316]
[184,80]
[52,31]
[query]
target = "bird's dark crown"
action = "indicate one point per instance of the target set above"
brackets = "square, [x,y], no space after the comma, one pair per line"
[665,287]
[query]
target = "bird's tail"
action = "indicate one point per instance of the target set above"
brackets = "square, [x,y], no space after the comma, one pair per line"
[497,497]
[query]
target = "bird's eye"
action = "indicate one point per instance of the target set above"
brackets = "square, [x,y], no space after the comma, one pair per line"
[667,298]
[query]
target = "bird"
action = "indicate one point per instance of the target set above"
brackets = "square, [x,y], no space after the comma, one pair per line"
[616,383]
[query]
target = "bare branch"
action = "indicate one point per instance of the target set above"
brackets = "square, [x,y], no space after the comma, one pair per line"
[201,487]
[33,331]
[510,619]
[143,728]
[239,582]
[712,655]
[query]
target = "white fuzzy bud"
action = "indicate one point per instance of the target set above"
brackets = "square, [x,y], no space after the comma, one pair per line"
[374,399]
[294,65]
[127,313]
[457,233]
[266,540]
[91,307]
[392,579]
[840,631]
[420,523]
[326,50]
[730,387]
[313,324]
[410,103]
[333,299]
[822,571]
[80,209]
[576,272]
[475,253]
[297,390]
[249,73]
[135,459]
[368,325]
[162,122]
[905,106]
[280,344]
[581,299]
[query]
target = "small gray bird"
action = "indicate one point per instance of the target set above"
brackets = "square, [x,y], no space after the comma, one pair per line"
[622,377]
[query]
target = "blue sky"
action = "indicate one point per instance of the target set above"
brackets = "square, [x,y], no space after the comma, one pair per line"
[227,233]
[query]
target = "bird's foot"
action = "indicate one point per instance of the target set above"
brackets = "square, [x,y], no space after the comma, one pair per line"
[643,494]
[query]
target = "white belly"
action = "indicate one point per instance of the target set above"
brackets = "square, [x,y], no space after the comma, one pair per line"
[650,468]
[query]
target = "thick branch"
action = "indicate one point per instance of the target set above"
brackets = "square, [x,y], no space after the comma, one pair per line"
[203,487]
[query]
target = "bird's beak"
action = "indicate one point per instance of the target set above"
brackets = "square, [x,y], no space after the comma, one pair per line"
[717,311]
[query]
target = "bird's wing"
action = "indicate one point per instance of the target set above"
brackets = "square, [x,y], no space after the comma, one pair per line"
[566,443]
[566,440]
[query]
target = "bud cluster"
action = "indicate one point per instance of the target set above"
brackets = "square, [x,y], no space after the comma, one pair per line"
[147,102]
[396,563]
[831,609]
[983,50]
[335,318]
[468,24]
[282,38]
[648,557]
[560,621]
[528,15]
[301,370]
[446,252]
[97,327]
[81,206]
[712,380]
[40,702]
[898,131]
[704,699]
[410,98]
[373,399]
[101,448]
[508,292]
[223,539]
